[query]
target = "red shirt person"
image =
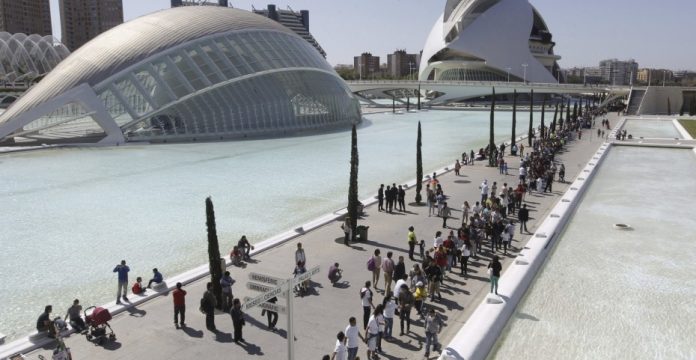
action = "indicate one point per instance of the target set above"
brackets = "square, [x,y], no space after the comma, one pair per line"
[179,297]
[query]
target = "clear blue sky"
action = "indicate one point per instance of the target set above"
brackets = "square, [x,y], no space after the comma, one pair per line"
[655,33]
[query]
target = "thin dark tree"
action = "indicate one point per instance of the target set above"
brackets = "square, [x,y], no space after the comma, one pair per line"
[419,96]
[353,186]
[419,167]
[530,133]
[214,263]
[542,132]
[575,111]
[408,102]
[514,117]
[567,112]
[552,129]
[491,136]
[580,108]
[669,107]
[692,106]
[393,103]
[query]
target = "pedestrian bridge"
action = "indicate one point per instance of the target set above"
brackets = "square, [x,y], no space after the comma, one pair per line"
[448,91]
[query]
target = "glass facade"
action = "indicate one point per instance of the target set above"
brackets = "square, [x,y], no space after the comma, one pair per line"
[230,85]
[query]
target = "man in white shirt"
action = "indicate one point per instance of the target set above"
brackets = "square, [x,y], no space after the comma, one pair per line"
[437,242]
[397,287]
[371,334]
[484,191]
[340,352]
[352,334]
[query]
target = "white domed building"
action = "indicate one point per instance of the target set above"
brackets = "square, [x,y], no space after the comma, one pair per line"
[184,74]
[490,40]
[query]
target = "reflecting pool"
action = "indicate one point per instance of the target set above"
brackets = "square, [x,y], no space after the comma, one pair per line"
[618,294]
[651,129]
[71,214]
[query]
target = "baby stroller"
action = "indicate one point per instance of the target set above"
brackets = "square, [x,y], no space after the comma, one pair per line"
[98,323]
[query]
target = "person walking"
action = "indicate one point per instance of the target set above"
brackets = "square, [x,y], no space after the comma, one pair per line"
[523,217]
[208,304]
[389,304]
[466,209]
[300,257]
[226,283]
[406,302]
[380,198]
[399,269]
[366,300]
[340,351]
[388,270]
[271,316]
[122,271]
[457,167]
[494,271]
[445,214]
[466,253]
[433,326]
[411,242]
[179,298]
[484,191]
[237,320]
[376,268]
[353,335]
[371,334]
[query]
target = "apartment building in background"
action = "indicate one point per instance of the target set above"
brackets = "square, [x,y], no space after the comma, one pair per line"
[25,16]
[83,20]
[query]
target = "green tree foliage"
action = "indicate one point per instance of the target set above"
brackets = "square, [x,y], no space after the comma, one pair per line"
[353,186]
[491,136]
[419,166]
[214,264]
[530,133]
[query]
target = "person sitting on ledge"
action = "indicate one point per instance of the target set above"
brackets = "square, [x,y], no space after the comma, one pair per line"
[138,288]
[236,256]
[44,323]
[75,316]
[157,278]
[245,247]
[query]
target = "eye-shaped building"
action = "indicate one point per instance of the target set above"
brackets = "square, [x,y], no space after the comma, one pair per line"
[184,74]
[490,40]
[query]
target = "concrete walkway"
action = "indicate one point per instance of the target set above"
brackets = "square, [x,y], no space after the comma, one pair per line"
[148,332]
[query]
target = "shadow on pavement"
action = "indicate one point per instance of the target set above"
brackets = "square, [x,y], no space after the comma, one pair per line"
[112,345]
[223,337]
[251,349]
[192,332]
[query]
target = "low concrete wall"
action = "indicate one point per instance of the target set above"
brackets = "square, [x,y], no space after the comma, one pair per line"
[655,100]
[478,336]
[685,134]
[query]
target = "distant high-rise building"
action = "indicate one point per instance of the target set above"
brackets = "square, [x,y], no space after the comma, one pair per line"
[617,72]
[83,20]
[400,64]
[655,76]
[25,16]
[297,22]
[366,65]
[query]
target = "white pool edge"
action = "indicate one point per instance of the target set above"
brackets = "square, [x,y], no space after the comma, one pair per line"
[684,134]
[476,338]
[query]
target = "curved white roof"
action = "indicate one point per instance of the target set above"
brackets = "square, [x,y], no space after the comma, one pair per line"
[134,41]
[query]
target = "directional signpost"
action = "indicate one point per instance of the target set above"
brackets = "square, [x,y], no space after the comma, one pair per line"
[273,287]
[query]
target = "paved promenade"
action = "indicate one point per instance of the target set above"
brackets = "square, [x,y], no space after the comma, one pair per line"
[148,332]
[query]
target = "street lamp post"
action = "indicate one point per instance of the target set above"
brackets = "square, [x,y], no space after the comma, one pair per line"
[360,69]
[525,72]
[664,73]
[508,73]
[410,70]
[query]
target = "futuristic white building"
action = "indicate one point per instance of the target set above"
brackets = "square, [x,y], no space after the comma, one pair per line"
[24,58]
[489,40]
[184,74]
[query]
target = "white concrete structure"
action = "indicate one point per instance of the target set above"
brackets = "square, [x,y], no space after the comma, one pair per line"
[23,58]
[184,74]
[490,40]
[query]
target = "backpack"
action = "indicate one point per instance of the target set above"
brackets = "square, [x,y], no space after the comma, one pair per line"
[371,263]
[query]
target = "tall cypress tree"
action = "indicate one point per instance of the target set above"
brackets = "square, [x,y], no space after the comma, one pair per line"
[491,137]
[214,265]
[353,186]
[692,106]
[419,96]
[669,107]
[552,129]
[580,108]
[542,132]
[419,166]
[575,112]
[567,111]
[530,133]
[514,117]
